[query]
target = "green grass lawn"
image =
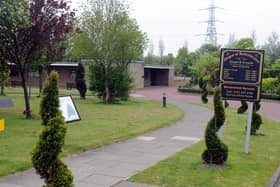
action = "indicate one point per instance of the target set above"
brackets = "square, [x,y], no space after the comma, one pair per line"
[100,125]
[255,169]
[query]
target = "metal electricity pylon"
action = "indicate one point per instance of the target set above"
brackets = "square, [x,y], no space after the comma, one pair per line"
[211,35]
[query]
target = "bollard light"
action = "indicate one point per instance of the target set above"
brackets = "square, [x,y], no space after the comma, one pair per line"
[164,100]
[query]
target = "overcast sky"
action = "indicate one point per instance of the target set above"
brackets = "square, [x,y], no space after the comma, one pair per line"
[177,21]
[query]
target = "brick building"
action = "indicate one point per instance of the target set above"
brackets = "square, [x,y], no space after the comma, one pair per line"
[143,75]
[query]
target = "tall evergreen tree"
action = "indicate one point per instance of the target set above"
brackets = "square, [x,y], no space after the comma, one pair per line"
[80,81]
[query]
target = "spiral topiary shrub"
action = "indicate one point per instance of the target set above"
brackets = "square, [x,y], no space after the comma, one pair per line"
[256,123]
[45,156]
[257,105]
[226,104]
[216,152]
[203,85]
[243,108]
[256,119]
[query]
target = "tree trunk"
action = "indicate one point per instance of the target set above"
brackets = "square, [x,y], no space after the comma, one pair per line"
[40,80]
[2,88]
[107,92]
[27,111]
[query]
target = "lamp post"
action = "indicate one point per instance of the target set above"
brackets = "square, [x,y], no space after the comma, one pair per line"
[164,100]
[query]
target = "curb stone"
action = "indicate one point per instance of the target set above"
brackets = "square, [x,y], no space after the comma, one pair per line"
[131,184]
[275,179]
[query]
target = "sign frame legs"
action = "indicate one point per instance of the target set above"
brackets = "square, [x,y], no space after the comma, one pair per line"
[248,131]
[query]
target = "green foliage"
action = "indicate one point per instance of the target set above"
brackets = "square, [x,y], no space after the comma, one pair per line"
[244,43]
[207,49]
[203,85]
[272,49]
[184,61]
[226,104]
[257,105]
[49,106]
[207,66]
[276,65]
[108,35]
[151,59]
[45,156]
[256,122]
[167,60]
[269,72]
[31,30]
[270,85]
[118,80]
[80,81]
[4,76]
[256,118]
[243,108]
[110,38]
[216,152]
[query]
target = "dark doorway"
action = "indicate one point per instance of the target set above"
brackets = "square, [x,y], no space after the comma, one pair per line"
[156,77]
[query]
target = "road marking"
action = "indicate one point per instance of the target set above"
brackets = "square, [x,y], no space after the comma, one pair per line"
[146,138]
[184,138]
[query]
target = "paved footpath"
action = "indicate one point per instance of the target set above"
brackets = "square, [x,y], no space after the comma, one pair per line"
[111,164]
[269,108]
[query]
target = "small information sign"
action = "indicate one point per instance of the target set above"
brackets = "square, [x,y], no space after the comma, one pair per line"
[68,109]
[6,103]
[240,92]
[241,74]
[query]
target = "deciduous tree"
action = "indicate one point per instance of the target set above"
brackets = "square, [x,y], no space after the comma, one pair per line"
[29,29]
[109,37]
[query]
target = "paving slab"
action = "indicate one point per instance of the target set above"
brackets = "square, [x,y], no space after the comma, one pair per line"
[108,165]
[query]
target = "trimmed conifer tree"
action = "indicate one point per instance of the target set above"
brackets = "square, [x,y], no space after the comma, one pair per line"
[45,156]
[203,85]
[226,104]
[80,81]
[256,119]
[216,152]
[243,108]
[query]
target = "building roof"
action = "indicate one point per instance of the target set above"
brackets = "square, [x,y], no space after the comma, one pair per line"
[61,64]
[149,66]
[65,64]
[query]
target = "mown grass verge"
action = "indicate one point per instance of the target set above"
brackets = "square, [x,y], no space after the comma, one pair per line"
[100,125]
[255,169]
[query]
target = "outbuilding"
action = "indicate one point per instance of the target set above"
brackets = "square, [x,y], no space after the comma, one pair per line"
[143,75]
